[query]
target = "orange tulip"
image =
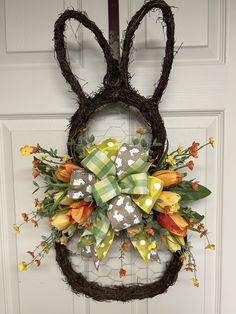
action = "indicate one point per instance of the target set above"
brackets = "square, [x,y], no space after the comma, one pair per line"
[80,211]
[64,172]
[169,178]
[174,223]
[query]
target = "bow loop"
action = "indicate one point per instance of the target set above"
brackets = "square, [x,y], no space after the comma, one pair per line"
[122,182]
[134,184]
[99,164]
[106,189]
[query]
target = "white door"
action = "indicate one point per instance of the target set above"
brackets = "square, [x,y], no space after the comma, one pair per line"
[35,106]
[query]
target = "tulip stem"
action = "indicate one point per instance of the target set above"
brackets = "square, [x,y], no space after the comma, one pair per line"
[54,162]
[180,167]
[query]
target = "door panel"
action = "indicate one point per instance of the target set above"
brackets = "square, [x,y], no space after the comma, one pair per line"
[182,128]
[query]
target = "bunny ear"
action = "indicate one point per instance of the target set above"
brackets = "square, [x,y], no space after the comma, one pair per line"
[169,49]
[60,48]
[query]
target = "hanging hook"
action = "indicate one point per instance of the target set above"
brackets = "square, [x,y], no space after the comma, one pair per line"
[114,28]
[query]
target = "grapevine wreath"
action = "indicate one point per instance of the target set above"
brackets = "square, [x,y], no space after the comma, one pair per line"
[102,191]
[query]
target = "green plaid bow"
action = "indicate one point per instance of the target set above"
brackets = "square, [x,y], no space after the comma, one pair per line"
[99,230]
[132,181]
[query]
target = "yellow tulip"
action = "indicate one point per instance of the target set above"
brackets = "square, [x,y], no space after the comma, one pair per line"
[173,243]
[168,202]
[64,201]
[22,266]
[60,221]
[169,178]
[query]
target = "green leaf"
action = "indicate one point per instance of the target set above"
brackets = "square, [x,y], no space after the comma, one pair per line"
[164,232]
[79,150]
[144,143]
[84,141]
[187,193]
[91,139]
[163,156]
[190,215]
[88,199]
[35,183]
[156,143]
[135,140]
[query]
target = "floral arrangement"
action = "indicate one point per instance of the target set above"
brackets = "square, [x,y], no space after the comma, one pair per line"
[116,190]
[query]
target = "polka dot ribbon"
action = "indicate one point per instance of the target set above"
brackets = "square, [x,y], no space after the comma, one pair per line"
[117,171]
[127,174]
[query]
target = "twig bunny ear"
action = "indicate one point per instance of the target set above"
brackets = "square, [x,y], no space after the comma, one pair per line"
[61,52]
[169,49]
[117,88]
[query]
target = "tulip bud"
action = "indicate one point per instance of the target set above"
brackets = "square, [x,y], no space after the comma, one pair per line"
[80,211]
[64,201]
[64,172]
[60,221]
[169,178]
[168,202]
[173,223]
[173,243]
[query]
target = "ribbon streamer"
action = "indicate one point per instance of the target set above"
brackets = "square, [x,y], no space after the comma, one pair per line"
[117,175]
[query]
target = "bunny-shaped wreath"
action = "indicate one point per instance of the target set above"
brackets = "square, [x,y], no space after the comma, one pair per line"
[117,88]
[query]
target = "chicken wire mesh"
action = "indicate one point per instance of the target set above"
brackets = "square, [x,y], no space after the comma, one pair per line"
[120,122]
[136,270]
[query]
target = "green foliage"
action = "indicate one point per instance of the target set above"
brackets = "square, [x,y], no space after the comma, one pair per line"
[190,215]
[144,143]
[187,193]
[162,158]
[135,140]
